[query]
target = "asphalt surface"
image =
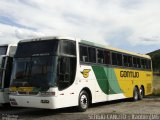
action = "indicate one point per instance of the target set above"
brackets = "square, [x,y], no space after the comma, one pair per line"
[148,108]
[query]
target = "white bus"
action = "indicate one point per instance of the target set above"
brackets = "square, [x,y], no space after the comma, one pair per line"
[6,57]
[56,72]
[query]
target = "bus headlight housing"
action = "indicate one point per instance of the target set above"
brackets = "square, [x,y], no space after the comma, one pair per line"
[47,94]
[13,92]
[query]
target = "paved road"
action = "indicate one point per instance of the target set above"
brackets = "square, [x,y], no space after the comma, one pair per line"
[148,108]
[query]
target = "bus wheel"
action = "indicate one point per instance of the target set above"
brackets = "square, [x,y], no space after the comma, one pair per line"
[135,94]
[83,101]
[141,93]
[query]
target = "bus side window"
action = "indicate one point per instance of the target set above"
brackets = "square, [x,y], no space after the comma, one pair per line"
[83,54]
[127,61]
[8,70]
[148,64]
[134,62]
[100,56]
[138,62]
[68,47]
[107,57]
[130,62]
[92,54]
[66,72]
[114,59]
[63,69]
[143,64]
[117,59]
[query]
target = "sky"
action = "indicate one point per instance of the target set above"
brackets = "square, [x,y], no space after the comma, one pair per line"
[132,25]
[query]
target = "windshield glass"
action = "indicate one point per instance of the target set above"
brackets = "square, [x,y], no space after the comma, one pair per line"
[37,71]
[40,48]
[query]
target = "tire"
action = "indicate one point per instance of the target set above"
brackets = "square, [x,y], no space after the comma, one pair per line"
[135,94]
[141,93]
[83,101]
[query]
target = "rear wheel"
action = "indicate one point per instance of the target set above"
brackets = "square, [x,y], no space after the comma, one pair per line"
[83,101]
[141,93]
[135,94]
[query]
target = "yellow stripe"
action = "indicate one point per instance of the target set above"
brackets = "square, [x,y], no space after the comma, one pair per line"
[21,89]
[129,78]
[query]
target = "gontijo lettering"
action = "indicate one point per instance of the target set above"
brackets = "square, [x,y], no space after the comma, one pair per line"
[131,74]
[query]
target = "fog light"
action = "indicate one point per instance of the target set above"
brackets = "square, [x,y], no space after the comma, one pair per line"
[13,101]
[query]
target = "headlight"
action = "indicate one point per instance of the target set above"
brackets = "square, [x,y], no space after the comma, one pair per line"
[47,94]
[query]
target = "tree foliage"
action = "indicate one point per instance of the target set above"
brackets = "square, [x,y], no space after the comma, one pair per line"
[155,55]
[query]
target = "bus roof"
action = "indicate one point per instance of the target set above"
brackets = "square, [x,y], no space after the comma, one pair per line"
[87,43]
[47,38]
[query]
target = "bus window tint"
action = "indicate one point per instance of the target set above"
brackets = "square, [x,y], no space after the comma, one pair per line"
[127,61]
[83,54]
[68,47]
[117,59]
[107,57]
[66,72]
[143,64]
[134,62]
[114,59]
[47,47]
[149,64]
[100,56]
[138,62]
[92,54]
[130,61]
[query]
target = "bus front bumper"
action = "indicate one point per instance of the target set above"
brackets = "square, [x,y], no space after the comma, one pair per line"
[33,101]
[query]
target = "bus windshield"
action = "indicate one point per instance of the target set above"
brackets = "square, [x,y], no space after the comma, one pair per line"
[37,71]
[35,64]
[40,48]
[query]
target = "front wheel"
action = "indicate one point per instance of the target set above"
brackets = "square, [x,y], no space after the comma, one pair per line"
[83,101]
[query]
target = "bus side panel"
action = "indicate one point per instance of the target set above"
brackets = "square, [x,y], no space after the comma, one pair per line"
[128,79]
[87,78]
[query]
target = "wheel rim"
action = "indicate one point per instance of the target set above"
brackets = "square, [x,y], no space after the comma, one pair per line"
[136,95]
[84,101]
[141,93]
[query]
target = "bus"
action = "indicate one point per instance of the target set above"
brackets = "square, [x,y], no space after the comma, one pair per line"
[7,52]
[58,72]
